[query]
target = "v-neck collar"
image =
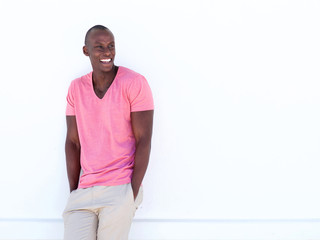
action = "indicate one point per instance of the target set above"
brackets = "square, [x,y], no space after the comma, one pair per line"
[92,88]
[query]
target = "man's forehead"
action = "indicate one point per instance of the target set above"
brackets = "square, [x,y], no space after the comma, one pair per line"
[100,33]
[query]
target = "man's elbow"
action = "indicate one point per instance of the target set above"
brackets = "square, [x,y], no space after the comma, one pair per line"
[144,143]
[71,144]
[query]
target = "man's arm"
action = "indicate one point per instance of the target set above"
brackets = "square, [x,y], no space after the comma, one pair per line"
[72,148]
[142,129]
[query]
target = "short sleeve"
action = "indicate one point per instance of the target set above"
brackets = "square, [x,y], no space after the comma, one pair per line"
[70,101]
[140,95]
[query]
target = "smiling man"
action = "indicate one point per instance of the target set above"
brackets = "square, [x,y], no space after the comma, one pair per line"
[109,127]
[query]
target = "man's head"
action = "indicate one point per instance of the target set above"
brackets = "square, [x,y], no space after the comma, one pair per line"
[100,48]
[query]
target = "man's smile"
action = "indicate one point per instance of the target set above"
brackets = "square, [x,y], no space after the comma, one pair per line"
[106,60]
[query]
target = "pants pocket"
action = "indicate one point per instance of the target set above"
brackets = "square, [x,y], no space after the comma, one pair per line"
[139,197]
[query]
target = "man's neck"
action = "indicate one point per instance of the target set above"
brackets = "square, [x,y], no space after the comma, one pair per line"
[102,80]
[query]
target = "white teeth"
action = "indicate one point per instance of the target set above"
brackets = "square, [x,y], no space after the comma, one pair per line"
[105,60]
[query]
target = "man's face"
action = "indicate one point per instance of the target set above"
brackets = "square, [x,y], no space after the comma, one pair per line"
[101,50]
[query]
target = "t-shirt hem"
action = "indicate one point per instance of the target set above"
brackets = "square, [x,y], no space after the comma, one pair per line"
[105,184]
[142,109]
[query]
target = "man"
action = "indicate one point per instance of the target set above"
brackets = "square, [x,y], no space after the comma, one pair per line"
[109,127]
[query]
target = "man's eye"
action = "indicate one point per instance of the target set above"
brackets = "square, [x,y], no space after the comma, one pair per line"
[111,46]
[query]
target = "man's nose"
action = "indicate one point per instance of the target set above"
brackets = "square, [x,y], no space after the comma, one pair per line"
[107,51]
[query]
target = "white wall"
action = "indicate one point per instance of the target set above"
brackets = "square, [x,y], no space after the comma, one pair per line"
[237,133]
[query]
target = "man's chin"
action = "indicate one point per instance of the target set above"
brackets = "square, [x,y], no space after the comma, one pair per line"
[105,69]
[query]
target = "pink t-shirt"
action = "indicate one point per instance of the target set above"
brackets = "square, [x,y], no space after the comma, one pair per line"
[104,126]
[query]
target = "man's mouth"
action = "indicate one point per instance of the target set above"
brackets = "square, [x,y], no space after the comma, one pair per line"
[107,60]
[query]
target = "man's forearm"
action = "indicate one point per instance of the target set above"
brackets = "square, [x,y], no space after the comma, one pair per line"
[73,164]
[140,166]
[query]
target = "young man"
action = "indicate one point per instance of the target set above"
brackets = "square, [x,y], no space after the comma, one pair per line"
[109,127]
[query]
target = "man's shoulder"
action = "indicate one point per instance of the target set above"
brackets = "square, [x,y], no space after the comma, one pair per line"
[129,74]
[83,80]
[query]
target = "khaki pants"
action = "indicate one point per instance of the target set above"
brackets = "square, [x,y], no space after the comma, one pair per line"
[100,213]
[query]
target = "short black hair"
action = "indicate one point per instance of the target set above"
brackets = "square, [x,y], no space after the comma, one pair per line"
[98,27]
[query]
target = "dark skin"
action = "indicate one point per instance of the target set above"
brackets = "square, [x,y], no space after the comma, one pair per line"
[100,48]
[72,148]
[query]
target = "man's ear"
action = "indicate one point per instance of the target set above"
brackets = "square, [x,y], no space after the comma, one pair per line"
[85,50]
